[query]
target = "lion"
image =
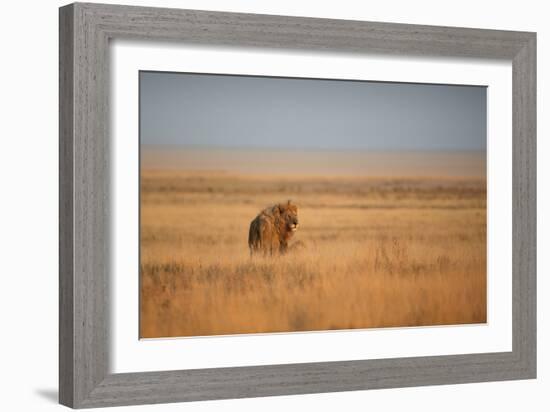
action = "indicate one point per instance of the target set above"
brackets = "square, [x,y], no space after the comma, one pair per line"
[271,230]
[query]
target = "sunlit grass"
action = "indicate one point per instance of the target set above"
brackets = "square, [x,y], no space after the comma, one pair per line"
[379,253]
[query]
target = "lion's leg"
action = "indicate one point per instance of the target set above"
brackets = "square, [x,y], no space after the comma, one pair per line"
[253,237]
[275,246]
[265,237]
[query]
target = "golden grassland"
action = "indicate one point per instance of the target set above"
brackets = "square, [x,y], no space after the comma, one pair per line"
[379,252]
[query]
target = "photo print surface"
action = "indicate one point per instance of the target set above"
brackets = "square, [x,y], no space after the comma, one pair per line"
[274,204]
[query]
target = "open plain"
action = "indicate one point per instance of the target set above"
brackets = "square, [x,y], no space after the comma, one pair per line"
[387,242]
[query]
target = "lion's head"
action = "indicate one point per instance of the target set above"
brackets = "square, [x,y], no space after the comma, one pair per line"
[289,214]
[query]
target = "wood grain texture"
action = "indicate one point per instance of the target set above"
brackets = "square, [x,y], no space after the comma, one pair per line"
[66,228]
[524,208]
[85,31]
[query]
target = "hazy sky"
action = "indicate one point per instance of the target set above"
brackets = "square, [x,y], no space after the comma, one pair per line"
[267,112]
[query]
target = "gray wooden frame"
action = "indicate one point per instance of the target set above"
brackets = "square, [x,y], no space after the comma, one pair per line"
[85,31]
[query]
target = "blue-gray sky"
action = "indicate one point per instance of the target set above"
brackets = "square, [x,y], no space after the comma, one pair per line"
[282,113]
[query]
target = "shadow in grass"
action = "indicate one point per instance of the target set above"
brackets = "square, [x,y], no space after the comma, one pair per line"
[51,395]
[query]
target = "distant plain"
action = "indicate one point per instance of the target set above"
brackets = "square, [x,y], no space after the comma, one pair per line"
[391,239]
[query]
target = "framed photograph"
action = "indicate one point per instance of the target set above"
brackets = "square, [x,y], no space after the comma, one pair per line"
[258,205]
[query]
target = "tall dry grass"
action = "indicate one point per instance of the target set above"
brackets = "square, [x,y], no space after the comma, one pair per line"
[379,253]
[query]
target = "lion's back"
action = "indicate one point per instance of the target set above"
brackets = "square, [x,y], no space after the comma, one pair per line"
[254,232]
[262,233]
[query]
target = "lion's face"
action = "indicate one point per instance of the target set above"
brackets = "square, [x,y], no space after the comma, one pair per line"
[289,213]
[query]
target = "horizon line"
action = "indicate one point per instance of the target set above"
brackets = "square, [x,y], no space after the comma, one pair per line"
[306,148]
